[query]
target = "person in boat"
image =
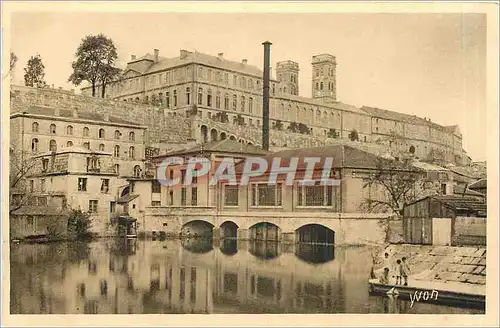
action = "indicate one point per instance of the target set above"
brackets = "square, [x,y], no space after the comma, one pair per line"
[405,270]
[384,278]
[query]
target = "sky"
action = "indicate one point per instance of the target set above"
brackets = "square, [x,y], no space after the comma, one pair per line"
[429,65]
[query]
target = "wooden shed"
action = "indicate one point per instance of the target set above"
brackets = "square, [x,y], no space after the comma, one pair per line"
[431,218]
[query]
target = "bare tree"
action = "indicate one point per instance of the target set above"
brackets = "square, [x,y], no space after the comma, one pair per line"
[399,184]
[21,166]
[13,62]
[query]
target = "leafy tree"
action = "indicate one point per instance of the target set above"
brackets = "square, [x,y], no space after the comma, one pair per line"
[240,120]
[293,127]
[332,133]
[278,125]
[95,59]
[34,72]
[304,129]
[398,183]
[79,224]
[221,117]
[354,135]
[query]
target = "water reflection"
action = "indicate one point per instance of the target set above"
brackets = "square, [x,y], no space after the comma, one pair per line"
[314,253]
[132,276]
[197,245]
[265,250]
[229,247]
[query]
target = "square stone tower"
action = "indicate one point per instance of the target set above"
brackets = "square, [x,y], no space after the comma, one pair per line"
[324,82]
[288,76]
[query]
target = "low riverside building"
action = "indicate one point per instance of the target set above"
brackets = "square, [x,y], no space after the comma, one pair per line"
[279,212]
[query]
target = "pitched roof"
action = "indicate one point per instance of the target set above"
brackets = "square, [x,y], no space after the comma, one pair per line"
[428,166]
[480,184]
[460,190]
[50,111]
[198,58]
[392,115]
[220,146]
[459,202]
[342,155]
[41,210]
[126,198]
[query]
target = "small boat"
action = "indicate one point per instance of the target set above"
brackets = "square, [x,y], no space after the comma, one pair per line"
[440,296]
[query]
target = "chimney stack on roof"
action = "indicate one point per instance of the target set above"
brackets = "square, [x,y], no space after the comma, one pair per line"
[132,57]
[184,53]
[220,55]
[244,61]
[157,53]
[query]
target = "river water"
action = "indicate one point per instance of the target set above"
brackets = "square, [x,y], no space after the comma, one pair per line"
[143,277]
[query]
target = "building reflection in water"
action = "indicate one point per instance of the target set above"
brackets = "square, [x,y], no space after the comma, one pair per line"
[131,276]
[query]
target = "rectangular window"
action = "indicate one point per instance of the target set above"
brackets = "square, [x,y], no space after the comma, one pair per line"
[194,196]
[193,285]
[42,201]
[104,186]
[443,188]
[316,195]
[42,185]
[156,187]
[93,205]
[167,99]
[171,197]
[45,164]
[112,207]
[155,203]
[183,197]
[183,176]
[82,184]
[266,195]
[230,195]
[32,186]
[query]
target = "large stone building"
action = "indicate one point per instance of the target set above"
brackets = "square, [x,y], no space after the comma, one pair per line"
[220,89]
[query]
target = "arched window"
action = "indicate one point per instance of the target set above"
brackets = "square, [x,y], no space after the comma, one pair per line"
[235,102]
[175,98]
[52,145]
[188,95]
[200,96]
[131,152]
[69,130]
[317,85]
[226,101]
[242,103]
[117,134]
[137,171]
[34,145]
[85,131]
[321,86]
[101,147]
[217,100]
[69,144]
[250,83]
[102,134]
[117,169]
[86,145]
[34,127]
[209,98]
[250,104]
[131,136]
[116,152]
[52,129]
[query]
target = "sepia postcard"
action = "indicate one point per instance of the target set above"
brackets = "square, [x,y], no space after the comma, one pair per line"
[249,164]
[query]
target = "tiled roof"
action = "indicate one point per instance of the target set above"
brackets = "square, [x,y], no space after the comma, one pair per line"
[222,146]
[342,155]
[49,111]
[199,58]
[40,210]
[428,166]
[127,198]
[391,115]
[471,172]
[461,191]
[480,184]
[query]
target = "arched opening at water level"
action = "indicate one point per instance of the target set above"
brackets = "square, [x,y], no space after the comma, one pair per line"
[315,234]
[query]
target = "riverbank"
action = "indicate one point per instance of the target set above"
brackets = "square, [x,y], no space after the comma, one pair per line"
[445,269]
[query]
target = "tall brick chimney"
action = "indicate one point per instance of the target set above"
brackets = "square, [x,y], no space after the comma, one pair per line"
[157,54]
[132,57]
[220,55]
[267,78]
